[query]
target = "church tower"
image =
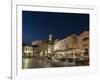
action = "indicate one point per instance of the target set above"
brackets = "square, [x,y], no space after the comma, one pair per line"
[50,37]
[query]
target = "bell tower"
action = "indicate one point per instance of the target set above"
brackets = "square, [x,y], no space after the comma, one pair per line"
[50,37]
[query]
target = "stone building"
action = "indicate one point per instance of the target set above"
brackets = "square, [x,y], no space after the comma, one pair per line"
[84,41]
[27,50]
[60,44]
[73,46]
[72,42]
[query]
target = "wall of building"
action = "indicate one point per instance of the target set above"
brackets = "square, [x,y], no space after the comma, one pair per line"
[67,43]
[84,40]
[72,42]
[27,50]
[60,45]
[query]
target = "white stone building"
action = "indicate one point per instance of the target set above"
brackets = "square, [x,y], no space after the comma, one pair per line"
[72,45]
[27,50]
[67,43]
[84,42]
[60,45]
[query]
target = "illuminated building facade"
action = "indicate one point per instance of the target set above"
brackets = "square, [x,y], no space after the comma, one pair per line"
[60,45]
[72,46]
[27,50]
[72,42]
[84,41]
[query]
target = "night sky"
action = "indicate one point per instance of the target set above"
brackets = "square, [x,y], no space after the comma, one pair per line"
[38,25]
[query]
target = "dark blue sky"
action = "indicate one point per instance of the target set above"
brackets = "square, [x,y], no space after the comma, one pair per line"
[37,25]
